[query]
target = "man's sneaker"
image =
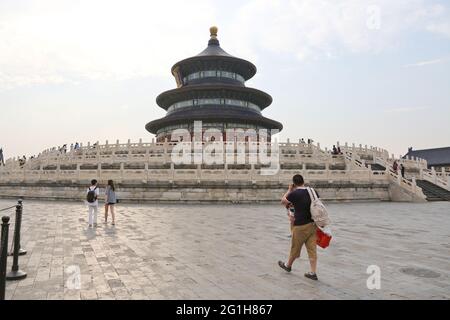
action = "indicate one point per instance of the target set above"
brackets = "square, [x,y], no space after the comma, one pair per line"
[90,226]
[95,225]
[311,276]
[284,266]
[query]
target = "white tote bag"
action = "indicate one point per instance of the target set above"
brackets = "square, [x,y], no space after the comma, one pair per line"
[319,212]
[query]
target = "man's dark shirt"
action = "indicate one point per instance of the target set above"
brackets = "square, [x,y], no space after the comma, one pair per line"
[302,202]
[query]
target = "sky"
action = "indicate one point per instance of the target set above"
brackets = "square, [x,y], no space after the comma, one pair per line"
[366,72]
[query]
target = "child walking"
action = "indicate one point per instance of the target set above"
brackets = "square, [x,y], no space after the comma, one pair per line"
[110,201]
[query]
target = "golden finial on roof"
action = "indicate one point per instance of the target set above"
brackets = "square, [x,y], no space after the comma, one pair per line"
[213,30]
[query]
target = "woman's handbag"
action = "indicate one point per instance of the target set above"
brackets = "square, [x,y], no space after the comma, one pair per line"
[323,237]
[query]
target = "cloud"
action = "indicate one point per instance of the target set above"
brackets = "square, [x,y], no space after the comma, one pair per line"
[425,63]
[323,29]
[442,28]
[64,41]
[406,109]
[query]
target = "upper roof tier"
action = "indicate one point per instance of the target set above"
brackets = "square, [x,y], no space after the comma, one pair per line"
[213,58]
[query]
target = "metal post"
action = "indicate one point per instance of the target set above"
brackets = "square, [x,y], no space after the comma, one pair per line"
[15,273]
[3,256]
[22,252]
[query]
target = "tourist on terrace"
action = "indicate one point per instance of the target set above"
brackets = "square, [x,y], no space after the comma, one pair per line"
[304,229]
[110,201]
[335,151]
[395,166]
[22,161]
[2,159]
[339,150]
[92,203]
[402,170]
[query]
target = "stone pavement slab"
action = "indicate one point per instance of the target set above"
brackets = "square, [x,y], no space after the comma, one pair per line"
[166,251]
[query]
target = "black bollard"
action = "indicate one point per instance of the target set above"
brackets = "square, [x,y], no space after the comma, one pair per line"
[15,273]
[22,252]
[3,256]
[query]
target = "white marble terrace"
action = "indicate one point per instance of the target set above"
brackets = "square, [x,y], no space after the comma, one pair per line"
[144,162]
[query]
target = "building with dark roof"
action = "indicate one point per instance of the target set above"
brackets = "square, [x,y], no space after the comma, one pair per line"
[211,88]
[438,157]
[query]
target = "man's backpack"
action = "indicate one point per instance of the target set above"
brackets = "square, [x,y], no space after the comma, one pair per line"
[91,196]
[319,212]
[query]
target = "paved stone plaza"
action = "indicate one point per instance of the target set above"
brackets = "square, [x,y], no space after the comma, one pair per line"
[230,252]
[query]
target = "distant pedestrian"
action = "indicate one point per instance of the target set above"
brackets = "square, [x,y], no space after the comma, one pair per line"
[395,166]
[22,161]
[2,159]
[92,203]
[304,229]
[339,150]
[110,201]
[402,170]
[335,151]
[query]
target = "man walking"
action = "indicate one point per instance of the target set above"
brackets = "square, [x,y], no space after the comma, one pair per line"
[304,228]
[92,203]
[2,159]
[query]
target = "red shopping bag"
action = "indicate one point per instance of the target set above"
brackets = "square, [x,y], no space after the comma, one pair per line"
[323,239]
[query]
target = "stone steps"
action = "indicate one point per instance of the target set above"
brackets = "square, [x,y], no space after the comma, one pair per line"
[377,167]
[433,192]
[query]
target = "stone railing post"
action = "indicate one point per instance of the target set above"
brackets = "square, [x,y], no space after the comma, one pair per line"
[199,173]
[172,171]
[58,171]
[414,184]
[122,166]
[165,151]
[252,173]
[146,172]
[433,173]
[99,170]
[78,171]
[226,172]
